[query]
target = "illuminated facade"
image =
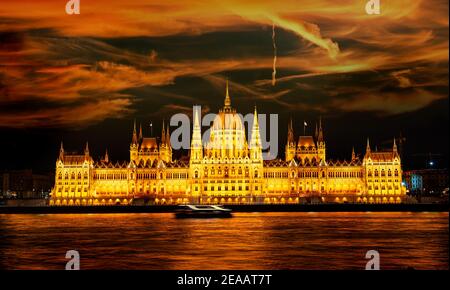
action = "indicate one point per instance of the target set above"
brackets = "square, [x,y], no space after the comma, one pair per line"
[228,170]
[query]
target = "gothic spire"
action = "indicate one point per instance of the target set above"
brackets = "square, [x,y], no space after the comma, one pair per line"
[320,136]
[197,134]
[290,133]
[168,136]
[134,140]
[256,140]
[86,149]
[61,151]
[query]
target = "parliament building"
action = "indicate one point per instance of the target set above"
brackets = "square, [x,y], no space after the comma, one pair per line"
[229,169]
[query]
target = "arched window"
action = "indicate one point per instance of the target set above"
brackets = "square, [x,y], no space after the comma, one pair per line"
[196,174]
[396,172]
[376,172]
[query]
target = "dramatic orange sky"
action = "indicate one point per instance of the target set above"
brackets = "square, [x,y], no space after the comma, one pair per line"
[150,59]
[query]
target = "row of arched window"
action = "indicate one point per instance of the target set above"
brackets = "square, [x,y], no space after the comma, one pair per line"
[108,176]
[72,175]
[226,172]
[382,174]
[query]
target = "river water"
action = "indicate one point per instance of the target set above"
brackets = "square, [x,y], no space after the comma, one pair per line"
[246,241]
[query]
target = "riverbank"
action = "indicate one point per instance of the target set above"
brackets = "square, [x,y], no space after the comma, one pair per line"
[236,208]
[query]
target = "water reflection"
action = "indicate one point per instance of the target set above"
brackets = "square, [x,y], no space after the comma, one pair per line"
[246,241]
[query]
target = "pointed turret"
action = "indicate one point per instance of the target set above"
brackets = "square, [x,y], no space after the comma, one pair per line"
[134,144]
[140,132]
[290,146]
[86,149]
[196,136]
[255,142]
[353,153]
[394,147]
[290,139]
[368,147]
[196,144]
[134,139]
[106,156]
[168,137]
[321,148]
[320,134]
[61,151]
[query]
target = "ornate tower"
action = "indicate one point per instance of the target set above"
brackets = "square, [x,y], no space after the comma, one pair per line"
[353,154]
[367,149]
[255,142]
[196,144]
[140,133]
[165,149]
[321,152]
[86,151]
[394,149]
[290,145]
[106,158]
[134,145]
[61,152]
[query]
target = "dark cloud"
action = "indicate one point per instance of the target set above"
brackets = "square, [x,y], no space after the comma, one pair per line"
[61,73]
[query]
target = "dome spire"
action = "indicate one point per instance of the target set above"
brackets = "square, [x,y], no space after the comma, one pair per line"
[227,98]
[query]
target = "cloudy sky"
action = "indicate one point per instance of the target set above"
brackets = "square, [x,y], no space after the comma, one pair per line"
[86,77]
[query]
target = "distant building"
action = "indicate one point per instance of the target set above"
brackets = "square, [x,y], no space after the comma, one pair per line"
[25,184]
[413,182]
[434,181]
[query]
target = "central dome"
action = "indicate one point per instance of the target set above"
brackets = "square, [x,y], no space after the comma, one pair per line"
[227,134]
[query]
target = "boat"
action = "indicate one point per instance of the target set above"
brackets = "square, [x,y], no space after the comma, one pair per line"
[202,211]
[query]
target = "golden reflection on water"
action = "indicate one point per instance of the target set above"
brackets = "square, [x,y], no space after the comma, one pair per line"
[246,241]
